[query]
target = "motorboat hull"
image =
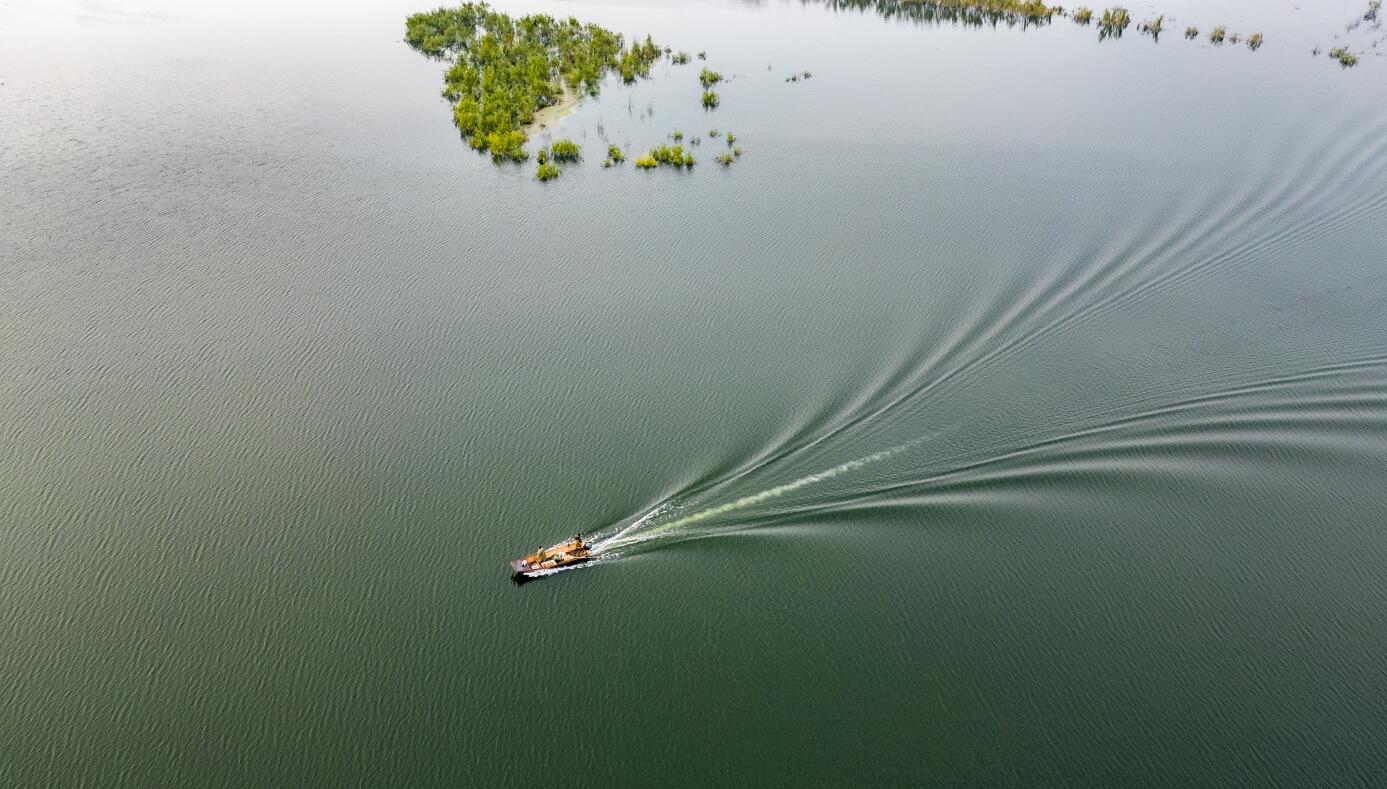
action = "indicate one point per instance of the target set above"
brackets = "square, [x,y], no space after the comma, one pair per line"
[524,573]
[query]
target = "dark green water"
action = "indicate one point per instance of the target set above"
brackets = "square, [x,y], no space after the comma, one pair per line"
[1014,412]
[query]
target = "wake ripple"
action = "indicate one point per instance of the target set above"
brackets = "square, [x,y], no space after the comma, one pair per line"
[1272,414]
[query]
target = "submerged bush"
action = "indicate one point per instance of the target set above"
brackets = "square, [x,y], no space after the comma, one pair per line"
[614,154]
[714,133]
[678,136]
[709,78]
[725,159]
[1254,42]
[1114,21]
[1083,15]
[680,59]
[547,172]
[1218,35]
[1191,32]
[710,99]
[666,155]
[731,138]
[1153,27]
[1346,58]
[566,151]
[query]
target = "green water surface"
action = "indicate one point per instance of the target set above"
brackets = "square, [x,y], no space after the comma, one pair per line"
[1013,413]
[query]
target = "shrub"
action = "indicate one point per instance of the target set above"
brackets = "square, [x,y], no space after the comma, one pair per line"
[1254,42]
[714,133]
[565,151]
[1083,15]
[1191,32]
[547,172]
[678,136]
[731,138]
[506,145]
[725,159]
[709,78]
[666,155]
[542,156]
[710,99]
[680,59]
[1218,35]
[702,55]
[614,154]
[1153,27]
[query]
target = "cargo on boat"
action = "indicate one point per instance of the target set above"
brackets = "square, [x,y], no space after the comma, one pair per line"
[548,560]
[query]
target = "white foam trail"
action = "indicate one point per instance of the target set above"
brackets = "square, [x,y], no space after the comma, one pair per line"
[605,543]
[632,534]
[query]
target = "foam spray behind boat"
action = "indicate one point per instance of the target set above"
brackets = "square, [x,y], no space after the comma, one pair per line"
[652,526]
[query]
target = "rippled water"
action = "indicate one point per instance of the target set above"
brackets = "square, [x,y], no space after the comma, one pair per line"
[1014,411]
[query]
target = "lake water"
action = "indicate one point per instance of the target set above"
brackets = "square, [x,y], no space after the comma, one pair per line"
[1014,412]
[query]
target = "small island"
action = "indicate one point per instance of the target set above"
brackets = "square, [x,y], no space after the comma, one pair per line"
[504,71]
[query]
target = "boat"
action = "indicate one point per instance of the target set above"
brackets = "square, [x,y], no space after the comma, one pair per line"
[547,561]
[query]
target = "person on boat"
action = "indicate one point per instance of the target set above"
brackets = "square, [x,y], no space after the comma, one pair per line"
[578,538]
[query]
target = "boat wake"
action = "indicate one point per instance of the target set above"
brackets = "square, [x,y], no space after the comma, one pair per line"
[1110,384]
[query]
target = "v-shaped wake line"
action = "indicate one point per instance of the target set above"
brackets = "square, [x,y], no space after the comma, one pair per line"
[647,527]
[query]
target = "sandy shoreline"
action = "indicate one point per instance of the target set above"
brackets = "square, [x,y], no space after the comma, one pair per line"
[551,117]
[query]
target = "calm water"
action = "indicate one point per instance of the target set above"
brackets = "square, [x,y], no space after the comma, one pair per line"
[1014,412]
